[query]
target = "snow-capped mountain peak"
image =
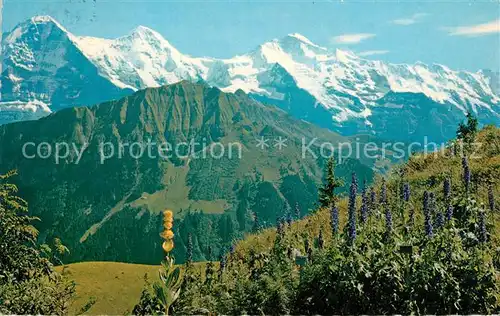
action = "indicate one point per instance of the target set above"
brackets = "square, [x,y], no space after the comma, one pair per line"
[35,27]
[304,40]
[144,31]
[345,56]
[145,34]
[143,58]
[40,19]
[342,83]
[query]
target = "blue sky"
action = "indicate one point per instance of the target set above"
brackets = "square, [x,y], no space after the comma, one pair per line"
[461,35]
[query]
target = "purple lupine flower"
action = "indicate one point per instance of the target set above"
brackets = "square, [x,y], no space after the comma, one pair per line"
[426,201]
[482,227]
[364,204]
[231,249]
[466,174]
[447,189]
[334,219]
[388,220]
[383,193]
[439,220]
[406,192]
[352,208]
[464,162]
[491,198]
[321,242]
[449,212]
[373,198]
[432,202]
[427,215]
[433,210]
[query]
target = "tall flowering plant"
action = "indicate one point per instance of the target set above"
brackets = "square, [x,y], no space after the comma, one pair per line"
[406,192]
[168,289]
[334,219]
[447,198]
[364,203]
[427,215]
[491,197]
[352,208]
[383,193]
[372,201]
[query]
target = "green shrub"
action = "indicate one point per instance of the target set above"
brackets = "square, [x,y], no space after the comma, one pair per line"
[28,284]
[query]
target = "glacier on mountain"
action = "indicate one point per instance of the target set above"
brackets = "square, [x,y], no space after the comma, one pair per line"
[145,59]
[13,111]
[342,84]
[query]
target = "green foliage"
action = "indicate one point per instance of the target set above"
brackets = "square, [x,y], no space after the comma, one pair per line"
[408,273]
[467,131]
[55,255]
[400,270]
[327,195]
[167,291]
[441,275]
[85,308]
[148,304]
[28,284]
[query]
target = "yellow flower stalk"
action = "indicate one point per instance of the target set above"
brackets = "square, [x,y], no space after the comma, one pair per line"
[168,214]
[168,245]
[167,234]
[167,291]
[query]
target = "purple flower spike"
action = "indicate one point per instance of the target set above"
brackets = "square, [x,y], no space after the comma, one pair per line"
[427,215]
[334,218]
[406,192]
[491,198]
[352,208]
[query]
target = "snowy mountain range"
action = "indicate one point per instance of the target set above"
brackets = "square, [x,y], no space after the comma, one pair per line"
[46,64]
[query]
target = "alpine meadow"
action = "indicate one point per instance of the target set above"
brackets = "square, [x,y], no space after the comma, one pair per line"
[274,176]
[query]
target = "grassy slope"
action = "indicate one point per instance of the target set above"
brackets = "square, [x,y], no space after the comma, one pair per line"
[423,172]
[115,286]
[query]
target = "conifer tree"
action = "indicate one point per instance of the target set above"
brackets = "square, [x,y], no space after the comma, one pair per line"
[467,131]
[327,192]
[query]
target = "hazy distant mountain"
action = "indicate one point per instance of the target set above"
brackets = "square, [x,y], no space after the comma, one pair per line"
[42,64]
[337,90]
